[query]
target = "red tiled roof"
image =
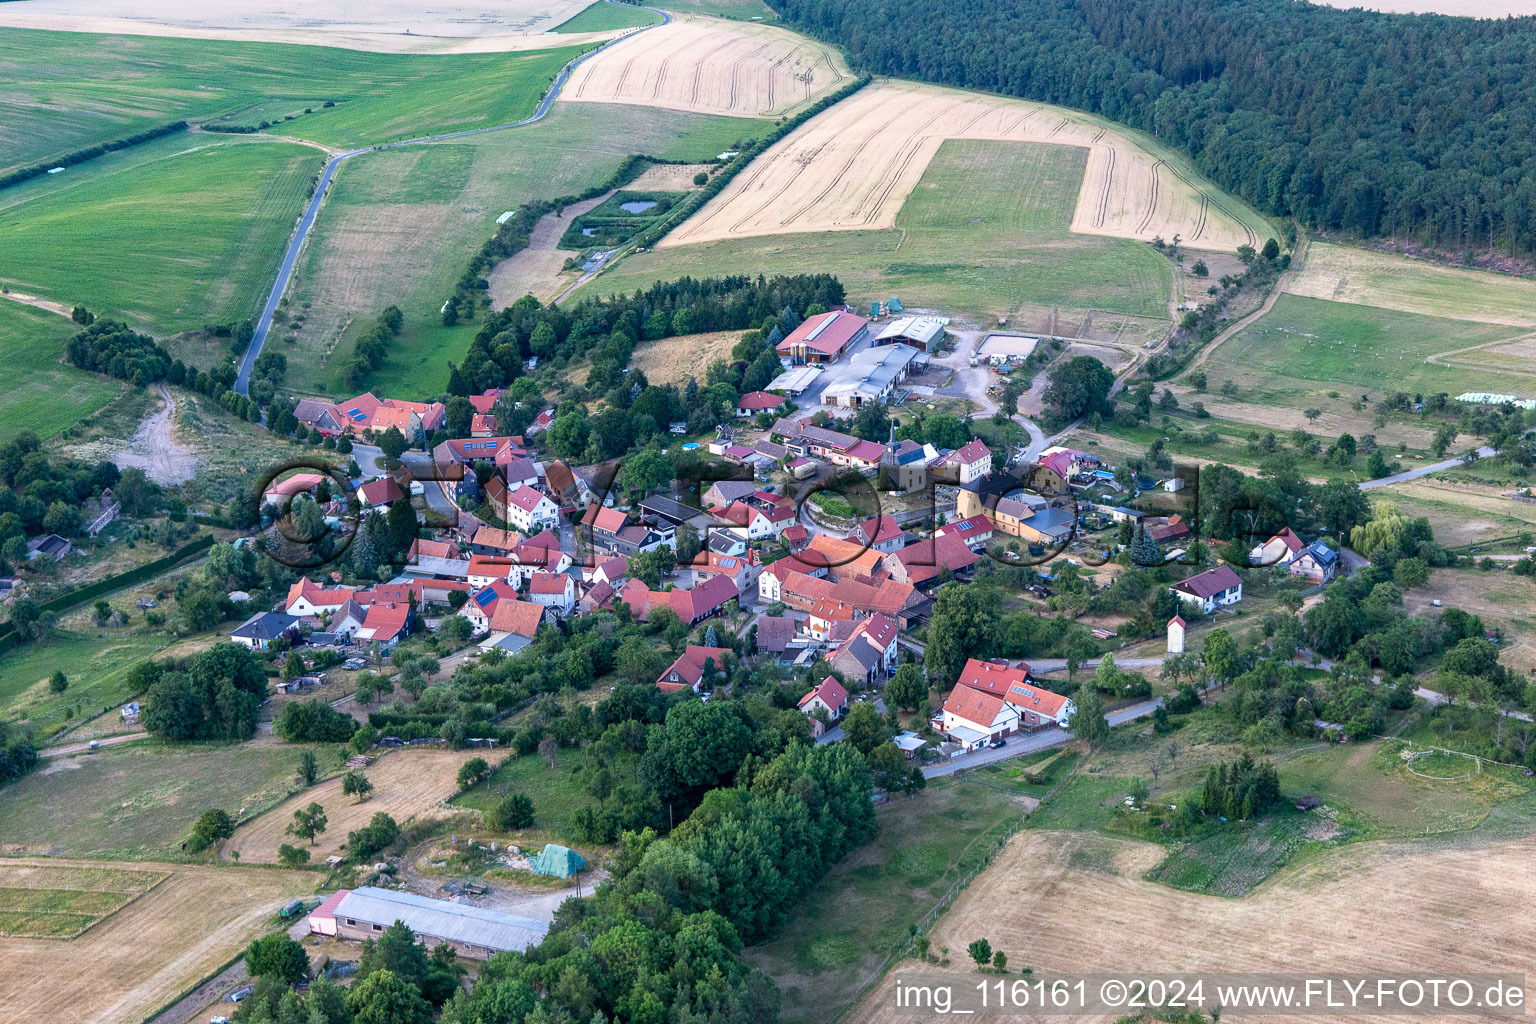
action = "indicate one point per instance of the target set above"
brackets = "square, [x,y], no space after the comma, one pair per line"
[1209,583]
[832,694]
[690,666]
[433,549]
[975,706]
[548,583]
[609,520]
[386,619]
[880,529]
[381,491]
[517,616]
[495,537]
[759,401]
[526,498]
[832,331]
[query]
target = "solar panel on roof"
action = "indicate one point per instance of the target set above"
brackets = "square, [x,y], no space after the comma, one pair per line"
[357,414]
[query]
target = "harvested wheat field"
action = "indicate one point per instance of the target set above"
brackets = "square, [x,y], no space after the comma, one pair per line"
[674,360]
[711,67]
[1347,274]
[1069,902]
[406,784]
[852,167]
[385,26]
[537,269]
[132,962]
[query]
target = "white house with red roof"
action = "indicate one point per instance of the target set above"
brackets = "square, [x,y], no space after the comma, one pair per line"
[973,718]
[970,462]
[829,697]
[380,493]
[741,570]
[481,605]
[754,402]
[554,590]
[1212,589]
[882,533]
[1278,550]
[307,597]
[688,671]
[530,510]
[823,338]
[613,571]
[974,531]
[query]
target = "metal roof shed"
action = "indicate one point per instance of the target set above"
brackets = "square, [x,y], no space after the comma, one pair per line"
[440,919]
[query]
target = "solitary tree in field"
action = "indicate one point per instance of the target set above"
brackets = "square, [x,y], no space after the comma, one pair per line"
[472,771]
[291,856]
[549,747]
[58,682]
[355,783]
[308,822]
[981,952]
[309,768]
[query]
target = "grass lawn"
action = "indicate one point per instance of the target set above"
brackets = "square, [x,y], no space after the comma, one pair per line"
[68,90]
[43,393]
[1233,860]
[859,909]
[1460,514]
[138,801]
[555,792]
[399,227]
[985,232]
[94,666]
[189,235]
[1290,355]
[603,17]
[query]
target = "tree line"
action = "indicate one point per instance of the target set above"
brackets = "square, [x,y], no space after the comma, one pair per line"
[113,348]
[80,156]
[1349,120]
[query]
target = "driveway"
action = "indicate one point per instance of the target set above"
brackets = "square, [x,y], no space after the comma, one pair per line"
[1029,743]
[81,748]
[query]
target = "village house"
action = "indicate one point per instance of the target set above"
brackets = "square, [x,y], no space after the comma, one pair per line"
[306,598]
[554,590]
[258,631]
[830,698]
[724,493]
[882,533]
[367,412]
[1317,563]
[869,651]
[974,718]
[905,463]
[494,541]
[1212,589]
[695,666]
[1036,706]
[774,636]
[513,625]
[754,402]
[970,462]
[924,561]
[742,570]
[380,493]
[481,606]
[974,531]
[526,509]
[802,437]
[1277,550]
[705,599]
[387,623]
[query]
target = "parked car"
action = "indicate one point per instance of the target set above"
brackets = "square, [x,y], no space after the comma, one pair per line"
[999,742]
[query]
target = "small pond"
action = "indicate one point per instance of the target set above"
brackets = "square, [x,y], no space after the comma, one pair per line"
[637,205]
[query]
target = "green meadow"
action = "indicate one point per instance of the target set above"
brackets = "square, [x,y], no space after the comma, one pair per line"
[185,233]
[985,232]
[1302,343]
[66,90]
[400,225]
[604,17]
[94,666]
[42,392]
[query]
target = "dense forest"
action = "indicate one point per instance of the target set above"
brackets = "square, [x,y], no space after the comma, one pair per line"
[1364,123]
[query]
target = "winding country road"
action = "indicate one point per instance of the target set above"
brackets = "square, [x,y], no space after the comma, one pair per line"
[307,221]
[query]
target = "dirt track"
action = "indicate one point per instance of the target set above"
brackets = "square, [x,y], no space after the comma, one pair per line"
[852,167]
[536,270]
[712,67]
[1074,902]
[154,448]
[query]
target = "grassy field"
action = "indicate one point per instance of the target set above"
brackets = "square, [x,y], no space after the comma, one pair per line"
[1461,513]
[132,962]
[188,237]
[43,393]
[604,17]
[555,792]
[139,800]
[1293,354]
[984,233]
[1346,274]
[95,667]
[736,9]
[68,90]
[399,226]
[860,908]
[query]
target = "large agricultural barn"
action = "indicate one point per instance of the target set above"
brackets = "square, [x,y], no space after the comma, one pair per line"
[471,931]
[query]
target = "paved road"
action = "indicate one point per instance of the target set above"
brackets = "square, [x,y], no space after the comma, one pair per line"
[1418,471]
[307,221]
[1434,698]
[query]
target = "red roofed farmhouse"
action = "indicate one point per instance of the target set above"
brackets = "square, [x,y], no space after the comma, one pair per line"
[823,338]
[829,697]
[687,672]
